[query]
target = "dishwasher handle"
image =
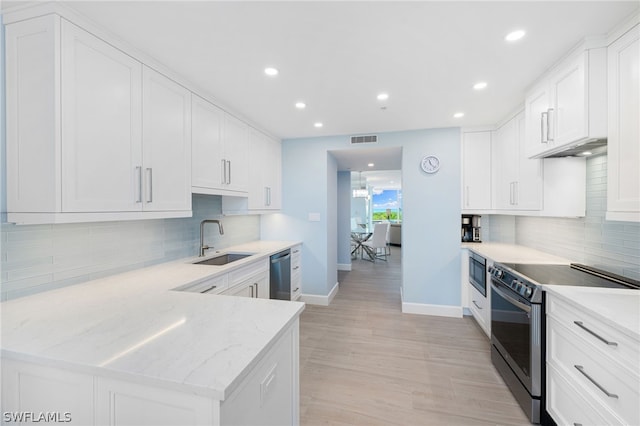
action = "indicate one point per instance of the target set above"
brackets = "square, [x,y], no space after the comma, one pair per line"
[281,257]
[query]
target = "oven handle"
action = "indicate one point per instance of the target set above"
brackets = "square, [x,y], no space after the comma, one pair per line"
[509,299]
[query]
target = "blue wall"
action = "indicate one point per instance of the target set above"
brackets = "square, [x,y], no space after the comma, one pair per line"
[344,218]
[430,229]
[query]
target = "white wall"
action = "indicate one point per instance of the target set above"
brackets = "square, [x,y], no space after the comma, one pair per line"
[592,240]
[431,234]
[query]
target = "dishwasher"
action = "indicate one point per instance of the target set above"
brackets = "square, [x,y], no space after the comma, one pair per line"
[280,276]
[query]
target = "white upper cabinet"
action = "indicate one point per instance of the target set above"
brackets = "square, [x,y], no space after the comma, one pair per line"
[75,130]
[517,179]
[265,164]
[623,183]
[476,170]
[567,108]
[101,125]
[220,151]
[166,143]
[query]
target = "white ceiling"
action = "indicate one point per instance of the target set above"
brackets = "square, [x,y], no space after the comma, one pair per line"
[337,56]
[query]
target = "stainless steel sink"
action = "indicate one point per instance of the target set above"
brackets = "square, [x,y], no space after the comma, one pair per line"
[224,259]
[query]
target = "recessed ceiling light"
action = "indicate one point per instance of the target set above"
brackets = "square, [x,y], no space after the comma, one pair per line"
[480,85]
[585,153]
[515,35]
[458,115]
[271,72]
[370,164]
[318,124]
[383,96]
[301,105]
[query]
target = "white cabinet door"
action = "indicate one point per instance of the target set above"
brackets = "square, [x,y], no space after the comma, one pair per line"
[568,114]
[265,176]
[528,190]
[505,151]
[33,126]
[207,149]
[476,170]
[236,154]
[30,388]
[166,143]
[121,403]
[537,128]
[623,182]
[101,125]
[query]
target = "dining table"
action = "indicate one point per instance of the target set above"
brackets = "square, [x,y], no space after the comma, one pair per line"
[359,236]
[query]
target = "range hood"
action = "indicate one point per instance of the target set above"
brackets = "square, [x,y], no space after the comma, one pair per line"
[577,149]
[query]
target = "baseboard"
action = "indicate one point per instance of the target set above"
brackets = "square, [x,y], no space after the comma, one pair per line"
[466,312]
[436,310]
[314,299]
[344,266]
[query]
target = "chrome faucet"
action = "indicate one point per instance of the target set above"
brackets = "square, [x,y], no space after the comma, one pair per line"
[204,247]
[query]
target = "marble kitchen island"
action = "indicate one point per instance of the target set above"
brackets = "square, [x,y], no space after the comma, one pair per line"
[127,349]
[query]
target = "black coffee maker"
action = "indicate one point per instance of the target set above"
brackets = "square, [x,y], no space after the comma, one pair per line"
[470,230]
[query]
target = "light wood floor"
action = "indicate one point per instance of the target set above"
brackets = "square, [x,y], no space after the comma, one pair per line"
[364,362]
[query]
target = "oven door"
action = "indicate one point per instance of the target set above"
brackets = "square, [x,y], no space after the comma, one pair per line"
[478,273]
[516,334]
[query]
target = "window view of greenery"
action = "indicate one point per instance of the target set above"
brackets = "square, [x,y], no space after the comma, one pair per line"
[387,205]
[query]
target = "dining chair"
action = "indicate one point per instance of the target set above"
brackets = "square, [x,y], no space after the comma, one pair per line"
[376,246]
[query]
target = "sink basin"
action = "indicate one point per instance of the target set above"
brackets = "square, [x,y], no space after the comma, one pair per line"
[223,259]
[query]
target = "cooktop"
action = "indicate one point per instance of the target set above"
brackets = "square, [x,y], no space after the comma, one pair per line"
[572,275]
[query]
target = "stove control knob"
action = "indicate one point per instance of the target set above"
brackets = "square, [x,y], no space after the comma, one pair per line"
[490,269]
[528,292]
[499,273]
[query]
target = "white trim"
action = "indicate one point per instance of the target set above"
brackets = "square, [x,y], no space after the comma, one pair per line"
[623,216]
[344,266]
[436,310]
[314,299]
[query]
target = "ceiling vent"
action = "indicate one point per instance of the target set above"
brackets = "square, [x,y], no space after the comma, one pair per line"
[364,139]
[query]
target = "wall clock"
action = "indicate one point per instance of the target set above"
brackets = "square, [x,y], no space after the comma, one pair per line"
[430,164]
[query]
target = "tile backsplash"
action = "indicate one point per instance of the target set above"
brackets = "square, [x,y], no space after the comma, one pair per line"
[614,246]
[37,258]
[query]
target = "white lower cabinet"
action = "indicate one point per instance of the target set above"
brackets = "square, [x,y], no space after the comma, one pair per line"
[480,307]
[594,364]
[250,281]
[268,394]
[296,272]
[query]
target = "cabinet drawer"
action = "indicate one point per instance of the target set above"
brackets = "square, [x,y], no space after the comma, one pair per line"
[569,406]
[480,307]
[241,274]
[626,351]
[593,371]
[295,255]
[213,285]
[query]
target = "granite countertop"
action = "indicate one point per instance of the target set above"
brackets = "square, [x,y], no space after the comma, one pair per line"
[512,253]
[132,327]
[620,308]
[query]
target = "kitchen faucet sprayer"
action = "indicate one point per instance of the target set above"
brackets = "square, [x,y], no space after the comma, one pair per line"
[204,247]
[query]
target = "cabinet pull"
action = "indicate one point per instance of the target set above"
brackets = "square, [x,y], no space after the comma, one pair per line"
[549,125]
[584,327]
[223,170]
[150,182]
[544,131]
[266,196]
[515,193]
[269,189]
[511,193]
[577,424]
[581,370]
[296,251]
[297,288]
[209,289]
[229,172]
[477,306]
[256,284]
[296,267]
[252,290]
[139,173]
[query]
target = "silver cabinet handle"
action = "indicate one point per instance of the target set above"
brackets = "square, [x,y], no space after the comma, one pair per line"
[256,284]
[593,333]
[223,170]
[577,424]
[297,288]
[251,290]
[150,182]
[477,306]
[266,196]
[269,188]
[296,267]
[543,131]
[296,251]
[581,370]
[209,289]
[139,173]
[229,172]
[549,126]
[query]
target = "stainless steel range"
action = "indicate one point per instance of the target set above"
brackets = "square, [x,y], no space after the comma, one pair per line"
[518,323]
